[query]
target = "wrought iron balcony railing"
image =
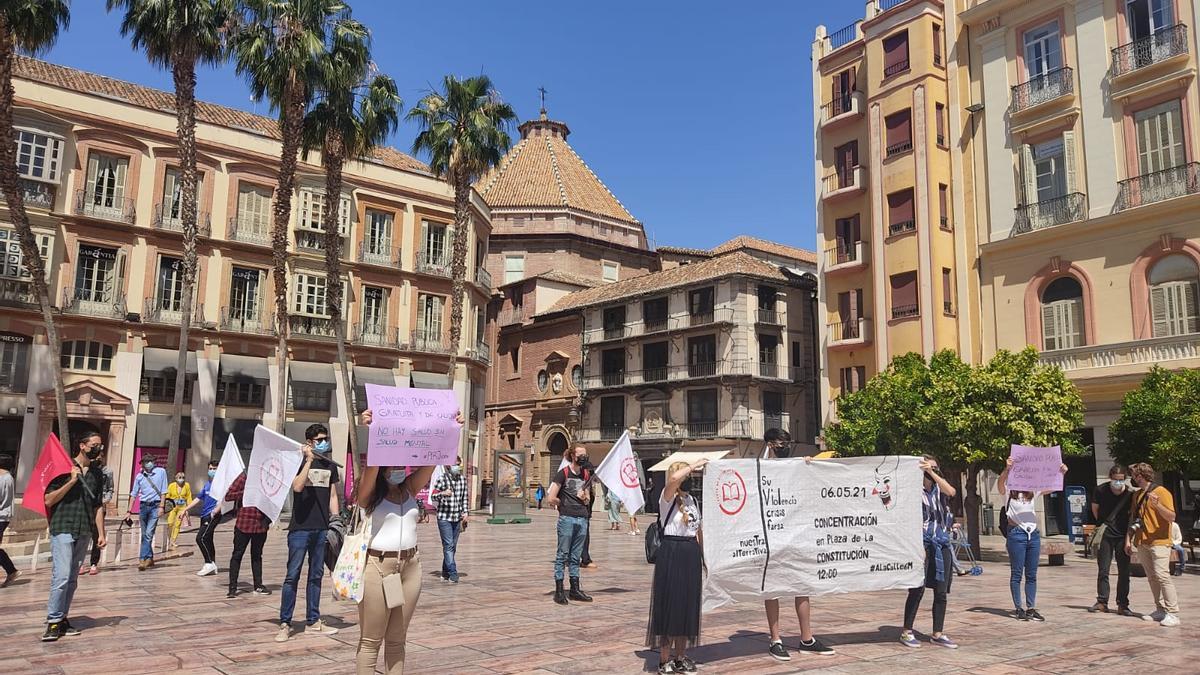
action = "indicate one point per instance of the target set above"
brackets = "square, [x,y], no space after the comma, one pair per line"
[85,302]
[897,148]
[159,310]
[375,334]
[37,195]
[1163,45]
[483,279]
[103,206]
[905,311]
[250,230]
[901,227]
[379,253]
[164,220]
[1042,89]
[311,326]
[1051,212]
[239,320]
[17,293]
[1159,186]
[429,341]
[429,263]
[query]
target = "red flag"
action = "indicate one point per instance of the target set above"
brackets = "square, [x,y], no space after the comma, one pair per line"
[51,463]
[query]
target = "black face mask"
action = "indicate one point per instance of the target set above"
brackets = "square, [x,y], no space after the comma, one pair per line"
[687,485]
[583,462]
[93,455]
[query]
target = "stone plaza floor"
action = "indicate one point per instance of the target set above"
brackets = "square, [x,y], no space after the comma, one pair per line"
[500,619]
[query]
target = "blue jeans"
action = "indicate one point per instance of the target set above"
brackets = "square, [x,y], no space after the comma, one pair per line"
[66,555]
[149,517]
[1023,552]
[449,530]
[572,530]
[302,543]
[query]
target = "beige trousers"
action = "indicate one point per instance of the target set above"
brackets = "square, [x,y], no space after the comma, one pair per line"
[379,625]
[1156,560]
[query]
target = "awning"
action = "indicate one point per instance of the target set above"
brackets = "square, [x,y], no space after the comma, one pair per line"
[156,360]
[366,375]
[234,367]
[689,457]
[242,432]
[154,431]
[425,380]
[313,373]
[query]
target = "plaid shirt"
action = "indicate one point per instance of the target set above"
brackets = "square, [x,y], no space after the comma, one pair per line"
[75,513]
[451,507]
[249,519]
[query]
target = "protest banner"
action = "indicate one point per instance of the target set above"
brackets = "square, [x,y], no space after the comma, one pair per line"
[412,427]
[52,462]
[779,528]
[274,462]
[619,473]
[230,467]
[1035,469]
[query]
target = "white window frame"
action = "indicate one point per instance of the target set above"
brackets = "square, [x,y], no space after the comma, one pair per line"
[254,208]
[87,356]
[96,276]
[606,265]
[377,235]
[514,272]
[245,294]
[1062,324]
[376,324]
[34,145]
[13,264]
[313,207]
[309,297]
[106,178]
[1173,302]
[430,311]
[1156,153]
[168,295]
[435,244]
[1042,47]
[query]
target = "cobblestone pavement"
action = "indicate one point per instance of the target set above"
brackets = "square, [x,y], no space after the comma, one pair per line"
[501,619]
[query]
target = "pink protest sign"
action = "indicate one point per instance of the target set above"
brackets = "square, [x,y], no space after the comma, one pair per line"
[411,427]
[1035,469]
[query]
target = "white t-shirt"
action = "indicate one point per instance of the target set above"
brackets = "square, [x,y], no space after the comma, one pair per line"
[1023,513]
[677,527]
[394,526]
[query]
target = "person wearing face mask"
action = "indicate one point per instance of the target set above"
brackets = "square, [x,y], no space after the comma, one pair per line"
[571,492]
[209,517]
[179,495]
[75,518]
[674,623]
[936,521]
[7,490]
[109,491]
[314,501]
[149,486]
[1024,543]
[450,493]
[1110,507]
[1149,533]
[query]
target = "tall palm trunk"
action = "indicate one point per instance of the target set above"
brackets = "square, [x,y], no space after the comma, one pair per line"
[332,155]
[183,70]
[458,264]
[291,124]
[10,185]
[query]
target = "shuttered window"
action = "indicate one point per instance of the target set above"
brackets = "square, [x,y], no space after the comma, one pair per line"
[1174,285]
[895,53]
[900,212]
[254,208]
[939,118]
[944,206]
[106,181]
[429,316]
[904,295]
[853,378]
[899,132]
[1062,314]
[1159,132]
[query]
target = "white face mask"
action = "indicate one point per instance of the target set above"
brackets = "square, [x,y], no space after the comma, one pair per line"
[396,476]
[1118,486]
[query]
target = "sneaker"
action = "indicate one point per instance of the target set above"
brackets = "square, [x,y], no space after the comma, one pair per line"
[684,664]
[815,647]
[285,632]
[203,571]
[10,578]
[908,639]
[214,569]
[93,571]
[1125,611]
[944,641]
[67,629]
[1021,615]
[1170,621]
[1033,615]
[779,651]
[667,668]
[320,628]
[454,580]
[53,632]
[1099,608]
[262,590]
[1156,616]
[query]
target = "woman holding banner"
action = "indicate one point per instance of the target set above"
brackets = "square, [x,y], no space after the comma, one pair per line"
[1024,544]
[675,595]
[936,521]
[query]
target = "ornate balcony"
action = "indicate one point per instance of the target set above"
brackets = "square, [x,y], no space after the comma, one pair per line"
[1159,186]
[88,303]
[437,265]
[249,231]
[1050,213]
[1136,355]
[483,279]
[374,334]
[17,293]
[37,195]
[104,207]
[659,375]
[770,317]
[379,253]
[154,312]
[429,342]
[481,352]
[166,221]
[1164,45]
[905,311]
[1043,89]
[902,227]
[303,325]
[239,321]
[514,316]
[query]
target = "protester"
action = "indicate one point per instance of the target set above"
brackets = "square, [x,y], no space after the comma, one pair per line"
[571,493]
[148,488]
[179,495]
[249,529]
[93,566]
[1177,565]
[674,623]
[1110,507]
[936,521]
[75,517]
[539,494]
[422,511]
[613,505]
[450,493]
[209,517]
[778,442]
[7,493]
[314,501]
[633,523]
[1150,534]
[1024,543]
[585,556]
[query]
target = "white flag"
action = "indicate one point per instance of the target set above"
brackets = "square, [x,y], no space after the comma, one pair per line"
[433,479]
[274,462]
[619,473]
[228,470]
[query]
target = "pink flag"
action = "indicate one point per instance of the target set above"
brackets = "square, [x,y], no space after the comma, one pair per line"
[53,462]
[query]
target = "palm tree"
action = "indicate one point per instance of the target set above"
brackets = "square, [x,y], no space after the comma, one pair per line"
[355,111]
[31,26]
[179,35]
[464,130]
[279,50]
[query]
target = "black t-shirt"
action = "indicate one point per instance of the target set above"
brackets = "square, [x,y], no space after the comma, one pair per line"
[1107,501]
[569,485]
[310,506]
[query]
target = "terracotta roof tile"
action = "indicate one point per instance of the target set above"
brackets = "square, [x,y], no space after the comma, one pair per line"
[155,99]
[683,250]
[684,275]
[745,242]
[559,276]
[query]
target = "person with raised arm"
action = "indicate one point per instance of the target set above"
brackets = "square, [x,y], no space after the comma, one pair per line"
[936,521]
[674,623]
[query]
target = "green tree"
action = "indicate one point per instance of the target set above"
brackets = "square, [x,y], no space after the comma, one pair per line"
[464,131]
[355,111]
[1160,422]
[179,35]
[280,49]
[31,26]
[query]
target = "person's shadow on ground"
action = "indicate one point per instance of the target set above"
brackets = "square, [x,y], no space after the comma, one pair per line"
[748,643]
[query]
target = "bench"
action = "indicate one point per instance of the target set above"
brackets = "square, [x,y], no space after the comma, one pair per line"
[1056,552]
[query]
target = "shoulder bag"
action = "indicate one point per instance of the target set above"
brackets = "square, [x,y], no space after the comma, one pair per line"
[352,561]
[1099,533]
[654,535]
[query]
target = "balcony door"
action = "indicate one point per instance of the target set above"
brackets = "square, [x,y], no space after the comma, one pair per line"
[106,176]
[1159,132]
[244,296]
[1147,17]
[1043,50]
[170,285]
[374,311]
[96,274]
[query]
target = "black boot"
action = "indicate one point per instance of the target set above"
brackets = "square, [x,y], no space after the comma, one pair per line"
[577,594]
[559,596]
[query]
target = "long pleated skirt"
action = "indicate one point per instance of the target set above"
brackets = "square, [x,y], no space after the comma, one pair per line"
[675,595]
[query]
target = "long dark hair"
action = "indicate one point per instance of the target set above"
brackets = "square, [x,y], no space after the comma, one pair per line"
[382,487]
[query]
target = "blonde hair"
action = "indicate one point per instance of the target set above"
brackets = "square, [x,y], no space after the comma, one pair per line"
[671,470]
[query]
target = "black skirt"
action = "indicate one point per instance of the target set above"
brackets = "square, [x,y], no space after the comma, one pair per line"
[675,595]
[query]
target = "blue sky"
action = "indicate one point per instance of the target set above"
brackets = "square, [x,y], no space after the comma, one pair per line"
[697,115]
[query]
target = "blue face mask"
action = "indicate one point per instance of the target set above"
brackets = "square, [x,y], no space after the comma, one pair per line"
[212,473]
[323,446]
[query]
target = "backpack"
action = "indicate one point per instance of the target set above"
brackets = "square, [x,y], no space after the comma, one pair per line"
[654,535]
[1005,526]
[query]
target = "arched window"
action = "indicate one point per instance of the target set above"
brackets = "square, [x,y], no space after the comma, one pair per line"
[1174,284]
[1062,314]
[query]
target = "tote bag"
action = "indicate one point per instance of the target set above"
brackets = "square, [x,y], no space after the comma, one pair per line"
[348,572]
